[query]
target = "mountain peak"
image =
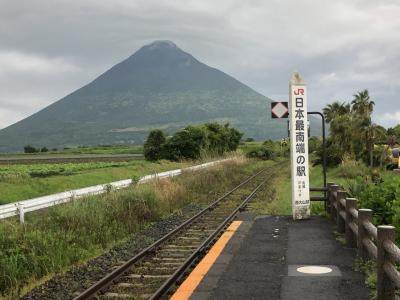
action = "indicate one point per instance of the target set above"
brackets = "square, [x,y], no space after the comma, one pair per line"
[160,53]
[161,44]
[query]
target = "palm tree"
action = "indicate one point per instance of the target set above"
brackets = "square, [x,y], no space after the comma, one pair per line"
[363,129]
[362,105]
[370,136]
[341,132]
[334,110]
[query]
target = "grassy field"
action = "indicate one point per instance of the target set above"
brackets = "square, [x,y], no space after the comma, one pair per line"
[247,147]
[282,203]
[46,170]
[112,149]
[100,149]
[25,181]
[54,239]
[20,182]
[104,149]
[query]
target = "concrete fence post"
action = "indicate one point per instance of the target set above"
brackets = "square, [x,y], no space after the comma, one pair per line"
[364,216]
[340,223]
[21,213]
[350,235]
[385,286]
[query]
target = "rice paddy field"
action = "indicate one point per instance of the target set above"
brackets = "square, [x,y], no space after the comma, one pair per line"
[25,181]
[25,176]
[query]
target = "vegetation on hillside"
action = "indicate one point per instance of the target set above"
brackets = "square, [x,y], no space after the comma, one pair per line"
[192,142]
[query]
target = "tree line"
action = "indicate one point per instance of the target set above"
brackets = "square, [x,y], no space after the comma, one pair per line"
[192,142]
[31,149]
[352,132]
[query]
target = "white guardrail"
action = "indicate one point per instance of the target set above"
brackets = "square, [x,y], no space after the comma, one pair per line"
[22,207]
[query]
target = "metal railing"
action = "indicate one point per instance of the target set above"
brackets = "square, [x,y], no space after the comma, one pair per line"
[20,208]
[376,243]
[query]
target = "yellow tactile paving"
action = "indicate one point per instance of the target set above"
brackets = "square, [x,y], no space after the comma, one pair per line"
[193,280]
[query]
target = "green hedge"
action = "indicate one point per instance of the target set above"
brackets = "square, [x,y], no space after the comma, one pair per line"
[192,142]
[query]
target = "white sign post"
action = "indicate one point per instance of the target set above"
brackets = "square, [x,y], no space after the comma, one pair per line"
[299,148]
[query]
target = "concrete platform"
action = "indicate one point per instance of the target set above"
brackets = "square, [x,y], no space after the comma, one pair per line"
[262,258]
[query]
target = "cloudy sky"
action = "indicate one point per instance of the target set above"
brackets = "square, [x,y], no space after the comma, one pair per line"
[50,48]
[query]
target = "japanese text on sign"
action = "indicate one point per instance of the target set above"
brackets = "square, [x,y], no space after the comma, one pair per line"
[299,148]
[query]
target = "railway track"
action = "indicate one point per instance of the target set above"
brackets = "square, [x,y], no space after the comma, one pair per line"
[157,269]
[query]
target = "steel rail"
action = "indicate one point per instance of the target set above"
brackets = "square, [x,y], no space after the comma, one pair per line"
[106,281]
[202,248]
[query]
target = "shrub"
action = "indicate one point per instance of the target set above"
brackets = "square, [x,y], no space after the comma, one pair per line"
[314,143]
[378,156]
[357,185]
[154,145]
[30,149]
[334,154]
[350,168]
[192,142]
[384,199]
[234,137]
[187,143]
[269,150]
[262,153]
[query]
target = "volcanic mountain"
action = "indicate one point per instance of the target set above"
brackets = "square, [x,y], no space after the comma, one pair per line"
[159,86]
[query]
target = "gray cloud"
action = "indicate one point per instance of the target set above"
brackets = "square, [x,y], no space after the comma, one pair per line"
[50,48]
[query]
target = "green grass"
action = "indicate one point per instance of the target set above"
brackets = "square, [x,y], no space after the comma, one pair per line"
[247,147]
[368,268]
[25,187]
[282,203]
[271,198]
[45,170]
[100,149]
[54,239]
[103,149]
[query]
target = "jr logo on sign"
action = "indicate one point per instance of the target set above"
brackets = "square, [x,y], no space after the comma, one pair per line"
[299,92]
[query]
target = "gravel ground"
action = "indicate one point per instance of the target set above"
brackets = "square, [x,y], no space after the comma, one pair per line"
[81,277]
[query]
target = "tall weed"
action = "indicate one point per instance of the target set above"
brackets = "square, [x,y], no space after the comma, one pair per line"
[350,168]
